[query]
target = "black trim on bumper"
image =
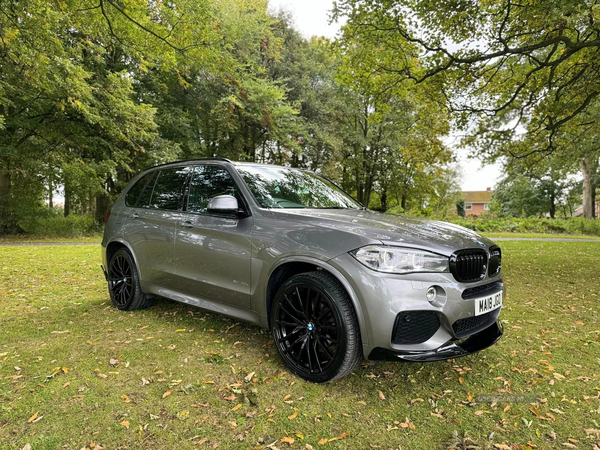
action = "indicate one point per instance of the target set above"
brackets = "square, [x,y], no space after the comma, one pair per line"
[450,350]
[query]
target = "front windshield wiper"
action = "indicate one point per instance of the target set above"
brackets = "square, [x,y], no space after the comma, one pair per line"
[330,207]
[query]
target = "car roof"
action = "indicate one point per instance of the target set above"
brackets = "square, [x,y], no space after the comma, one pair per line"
[234,163]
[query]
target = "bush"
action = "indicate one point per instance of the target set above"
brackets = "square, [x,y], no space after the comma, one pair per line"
[579,225]
[49,222]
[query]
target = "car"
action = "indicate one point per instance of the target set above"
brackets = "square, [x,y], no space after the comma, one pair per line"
[289,250]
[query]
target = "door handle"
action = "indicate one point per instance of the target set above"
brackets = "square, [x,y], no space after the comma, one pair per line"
[134,216]
[186,224]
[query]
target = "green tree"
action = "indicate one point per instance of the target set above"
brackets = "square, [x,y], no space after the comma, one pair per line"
[512,72]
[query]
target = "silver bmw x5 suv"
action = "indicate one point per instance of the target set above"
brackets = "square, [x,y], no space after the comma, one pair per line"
[290,251]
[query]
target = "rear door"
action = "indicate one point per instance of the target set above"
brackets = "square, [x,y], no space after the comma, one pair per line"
[151,225]
[213,251]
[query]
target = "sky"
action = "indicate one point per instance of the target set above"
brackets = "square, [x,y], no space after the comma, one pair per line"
[311,17]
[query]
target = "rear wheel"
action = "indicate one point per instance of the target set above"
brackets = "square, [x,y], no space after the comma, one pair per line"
[315,327]
[124,283]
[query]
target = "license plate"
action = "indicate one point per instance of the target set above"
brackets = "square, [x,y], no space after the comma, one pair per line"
[489,303]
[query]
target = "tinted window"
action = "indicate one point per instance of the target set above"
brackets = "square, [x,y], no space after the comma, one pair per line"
[135,190]
[208,182]
[168,190]
[144,198]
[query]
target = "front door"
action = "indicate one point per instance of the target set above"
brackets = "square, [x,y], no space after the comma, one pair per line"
[213,251]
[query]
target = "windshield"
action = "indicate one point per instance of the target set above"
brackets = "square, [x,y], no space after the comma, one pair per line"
[280,187]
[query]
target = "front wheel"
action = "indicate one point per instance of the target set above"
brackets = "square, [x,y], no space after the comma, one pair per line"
[315,327]
[124,283]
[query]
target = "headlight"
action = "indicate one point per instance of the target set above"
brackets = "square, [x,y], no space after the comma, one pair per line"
[390,259]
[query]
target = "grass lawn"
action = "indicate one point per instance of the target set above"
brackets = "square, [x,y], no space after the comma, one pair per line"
[76,373]
[25,238]
[539,235]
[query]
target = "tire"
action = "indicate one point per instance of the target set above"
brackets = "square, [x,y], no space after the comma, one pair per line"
[315,327]
[124,283]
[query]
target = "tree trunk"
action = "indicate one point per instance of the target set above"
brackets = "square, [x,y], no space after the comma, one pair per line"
[403,202]
[50,192]
[67,200]
[552,206]
[103,202]
[588,189]
[4,197]
[384,200]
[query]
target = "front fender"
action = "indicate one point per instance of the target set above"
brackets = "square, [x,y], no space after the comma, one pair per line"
[360,313]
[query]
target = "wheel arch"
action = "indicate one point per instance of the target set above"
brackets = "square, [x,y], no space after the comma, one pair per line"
[115,245]
[290,266]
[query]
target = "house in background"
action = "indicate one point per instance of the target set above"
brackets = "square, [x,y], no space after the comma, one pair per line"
[477,202]
[579,211]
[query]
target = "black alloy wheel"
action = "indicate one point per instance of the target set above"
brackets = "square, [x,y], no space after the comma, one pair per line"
[124,283]
[315,327]
[120,280]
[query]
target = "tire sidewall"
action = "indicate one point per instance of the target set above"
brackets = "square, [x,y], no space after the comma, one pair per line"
[335,366]
[135,284]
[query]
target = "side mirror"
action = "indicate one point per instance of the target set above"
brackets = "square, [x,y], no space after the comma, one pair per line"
[223,204]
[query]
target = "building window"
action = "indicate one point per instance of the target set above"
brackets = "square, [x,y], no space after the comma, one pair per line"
[486,206]
[468,206]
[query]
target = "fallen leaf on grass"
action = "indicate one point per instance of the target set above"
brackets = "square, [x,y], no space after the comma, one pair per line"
[183,415]
[380,395]
[166,394]
[125,423]
[32,418]
[293,416]
[341,436]
[287,439]
[126,398]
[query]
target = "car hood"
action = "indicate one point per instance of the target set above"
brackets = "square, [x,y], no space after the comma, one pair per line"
[434,235]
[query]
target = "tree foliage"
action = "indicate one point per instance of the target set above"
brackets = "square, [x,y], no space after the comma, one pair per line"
[92,92]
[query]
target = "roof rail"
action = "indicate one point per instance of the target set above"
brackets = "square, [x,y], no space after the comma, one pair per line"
[189,161]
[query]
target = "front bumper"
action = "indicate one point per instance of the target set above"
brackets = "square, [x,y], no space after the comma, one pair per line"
[450,350]
[385,298]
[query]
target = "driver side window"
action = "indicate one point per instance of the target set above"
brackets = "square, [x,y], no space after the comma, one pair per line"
[208,182]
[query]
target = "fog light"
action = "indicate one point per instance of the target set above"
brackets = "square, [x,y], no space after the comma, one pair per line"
[431,294]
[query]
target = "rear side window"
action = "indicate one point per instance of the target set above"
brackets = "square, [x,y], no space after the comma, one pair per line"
[169,188]
[144,198]
[134,193]
[208,182]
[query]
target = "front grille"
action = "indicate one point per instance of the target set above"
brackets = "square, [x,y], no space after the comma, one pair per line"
[415,327]
[471,325]
[495,261]
[480,291]
[468,265]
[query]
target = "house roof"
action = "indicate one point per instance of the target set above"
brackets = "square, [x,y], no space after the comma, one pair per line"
[477,196]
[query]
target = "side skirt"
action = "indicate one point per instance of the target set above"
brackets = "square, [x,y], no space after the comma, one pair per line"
[235,312]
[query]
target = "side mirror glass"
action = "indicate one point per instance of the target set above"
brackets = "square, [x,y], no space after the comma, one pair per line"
[223,204]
